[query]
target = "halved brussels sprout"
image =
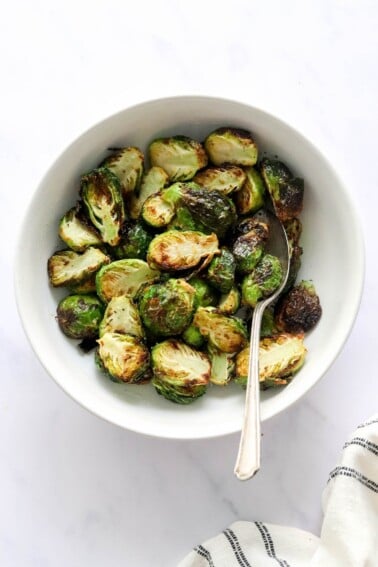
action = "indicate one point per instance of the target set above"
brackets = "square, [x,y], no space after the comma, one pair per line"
[121,316]
[229,302]
[76,231]
[299,310]
[205,294]
[265,278]
[222,366]
[286,191]
[250,198]
[177,250]
[79,316]
[134,242]
[225,179]
[180,373]
[127,165]
[100,190]
[279,358]
[167,308]
[123,277]
[221,271]
[124,357]
[156,212]
[193,337]
[249,248]
[228,334]
[180,156]
[68,268]
[231,146]
[153,181]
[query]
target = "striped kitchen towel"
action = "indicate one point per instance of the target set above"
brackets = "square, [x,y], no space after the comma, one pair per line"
[349,535]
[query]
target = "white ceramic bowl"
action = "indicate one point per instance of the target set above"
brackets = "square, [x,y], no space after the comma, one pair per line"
[333,258]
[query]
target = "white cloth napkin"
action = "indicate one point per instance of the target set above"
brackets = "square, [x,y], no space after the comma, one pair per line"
[349,535]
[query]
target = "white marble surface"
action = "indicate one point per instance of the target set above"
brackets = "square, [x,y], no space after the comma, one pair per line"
[74,490]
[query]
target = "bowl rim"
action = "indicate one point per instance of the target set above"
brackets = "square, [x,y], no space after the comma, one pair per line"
[359,278]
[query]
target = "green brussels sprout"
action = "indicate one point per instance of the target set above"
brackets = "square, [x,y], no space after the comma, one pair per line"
[299,310]
[167,308]
[79,316]
[179,156]
[123,277]
[184,220]
[222,366]
[67,268]
[221,271]
[263,281]
[285,190]
[157,212]
[248,248]
[228,334]
[134,242]
[205,294]
[180,373]
[176,250]
[193,337]
[250,198]
[229,302]
[121,316]
[268,327]
[153,181]
[293,229]
[76,231]
[280,357]
[127,165]
[100,191]
[225,179]
[124,357]
[231,146]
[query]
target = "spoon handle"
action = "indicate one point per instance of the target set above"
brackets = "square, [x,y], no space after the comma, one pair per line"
[248,459]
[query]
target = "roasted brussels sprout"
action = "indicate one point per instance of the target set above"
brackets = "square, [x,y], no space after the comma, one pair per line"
[221,271]
[286,191]
[299,310]
[231,146]
[123,277]
[228,334]
[134,242]
[167,308]
[153,181]
[124,357]
[193,337]
[250,198]
[279,358]
[184,220]
[100,191]
[179,156]
[229,302]
[176,250]
[79,316]
[222,366]
[121,316]
[205,295]
[127,165]
[76,231]
[68,268]
[157,212]
[249,248]
[265,278]
[180,373]
[225,179]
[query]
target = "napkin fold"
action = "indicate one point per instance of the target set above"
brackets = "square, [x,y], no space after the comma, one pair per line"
[349,534]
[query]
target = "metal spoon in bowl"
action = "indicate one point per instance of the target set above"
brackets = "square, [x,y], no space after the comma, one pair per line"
[248,459]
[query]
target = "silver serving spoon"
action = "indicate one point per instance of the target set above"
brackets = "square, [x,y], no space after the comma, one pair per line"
[248,459]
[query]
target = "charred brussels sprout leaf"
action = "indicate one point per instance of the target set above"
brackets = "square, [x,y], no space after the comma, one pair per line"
[124,357]
[123,277]
[205,295]
[231,146]
[268,327]
[68,268]
[250,198]
[176,250]
[285,190]
[293,229]
[279,358]
[134,242]
[222,366]
[127,165]
[180,373]
[229,302]
[180,156]
[121,316]
[76,231]
[153,181]
[249,248]
[221,271]
[299,310]
[101,193]
[225,179]
[213,209]
[262,281]
[84,287]
[193,337]
[167,308]
[79,316]
[227,334]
